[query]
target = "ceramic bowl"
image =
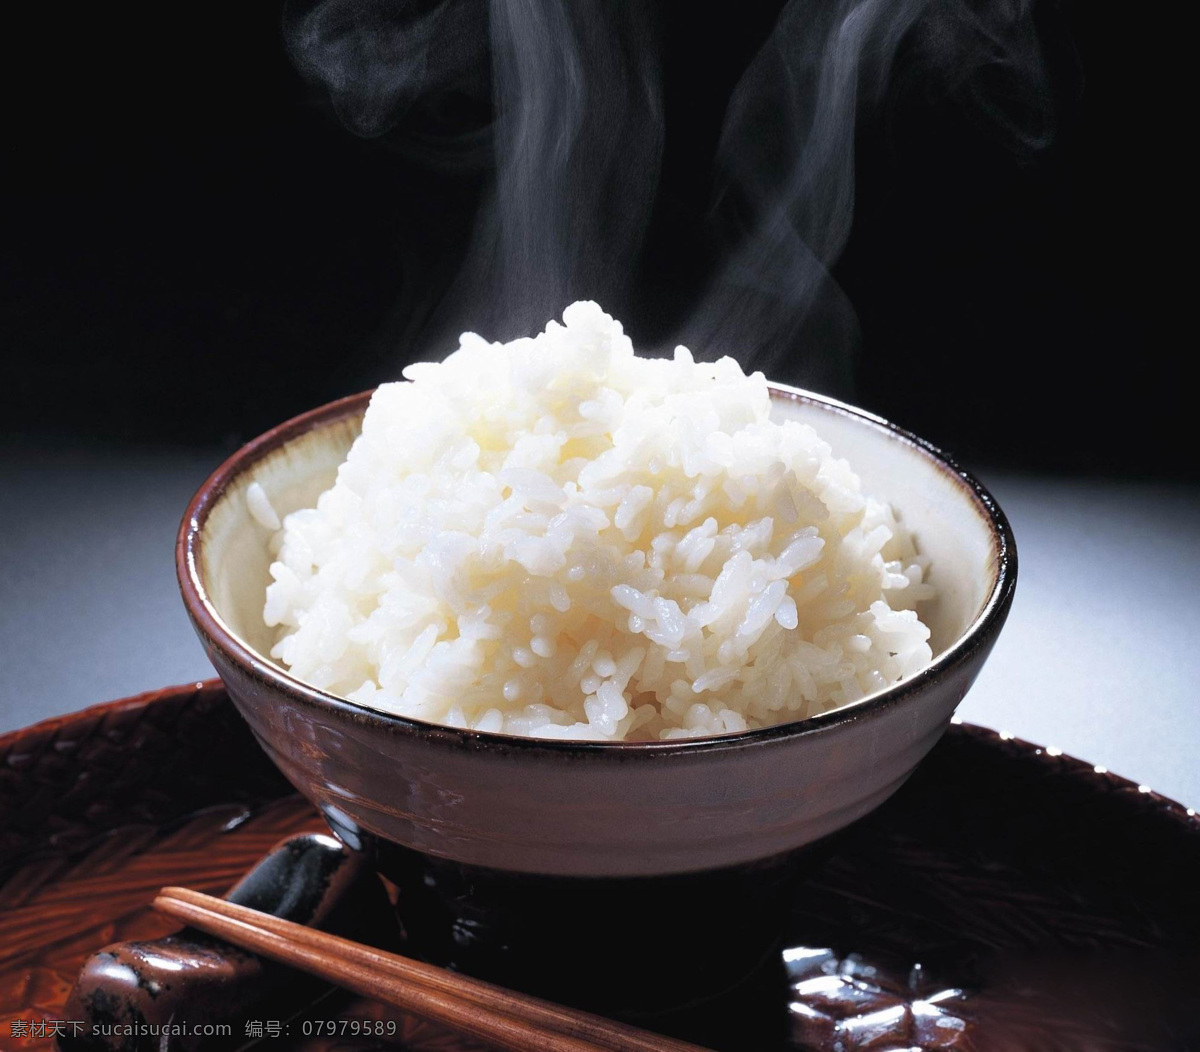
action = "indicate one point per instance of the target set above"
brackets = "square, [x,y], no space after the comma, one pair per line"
[494,832]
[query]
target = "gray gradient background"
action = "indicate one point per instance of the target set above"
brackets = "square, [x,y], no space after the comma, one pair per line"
[1099,657]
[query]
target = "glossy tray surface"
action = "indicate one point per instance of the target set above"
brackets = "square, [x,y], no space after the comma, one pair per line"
[1006,898]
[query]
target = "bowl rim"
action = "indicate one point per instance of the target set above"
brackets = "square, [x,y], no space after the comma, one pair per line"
[209,624]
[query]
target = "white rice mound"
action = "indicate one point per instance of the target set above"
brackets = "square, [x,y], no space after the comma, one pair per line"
[555,538]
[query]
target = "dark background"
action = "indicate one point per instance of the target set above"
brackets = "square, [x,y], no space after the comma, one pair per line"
[195,249]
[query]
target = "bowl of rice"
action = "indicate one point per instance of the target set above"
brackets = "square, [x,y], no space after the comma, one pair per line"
[555,629]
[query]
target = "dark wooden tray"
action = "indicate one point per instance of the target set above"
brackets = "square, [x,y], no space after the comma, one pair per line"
[1006,898]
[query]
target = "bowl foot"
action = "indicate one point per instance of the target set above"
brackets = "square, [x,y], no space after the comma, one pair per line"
[639,948]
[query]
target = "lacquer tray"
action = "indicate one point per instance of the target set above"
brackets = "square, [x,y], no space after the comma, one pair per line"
[1008,897]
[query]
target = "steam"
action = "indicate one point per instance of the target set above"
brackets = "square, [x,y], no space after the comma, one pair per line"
[578,138]
[784,200]
[377,60]
[574,139]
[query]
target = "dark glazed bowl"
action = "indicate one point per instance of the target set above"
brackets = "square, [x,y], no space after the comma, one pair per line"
[494,835]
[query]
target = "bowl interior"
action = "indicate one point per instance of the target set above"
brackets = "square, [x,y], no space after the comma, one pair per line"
[948,521]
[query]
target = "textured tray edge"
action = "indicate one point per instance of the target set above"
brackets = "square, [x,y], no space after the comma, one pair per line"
[20,748]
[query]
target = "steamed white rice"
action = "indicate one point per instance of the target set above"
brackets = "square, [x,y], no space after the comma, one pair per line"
[553,537]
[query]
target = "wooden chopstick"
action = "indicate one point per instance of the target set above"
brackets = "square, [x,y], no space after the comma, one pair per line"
[501,1017]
